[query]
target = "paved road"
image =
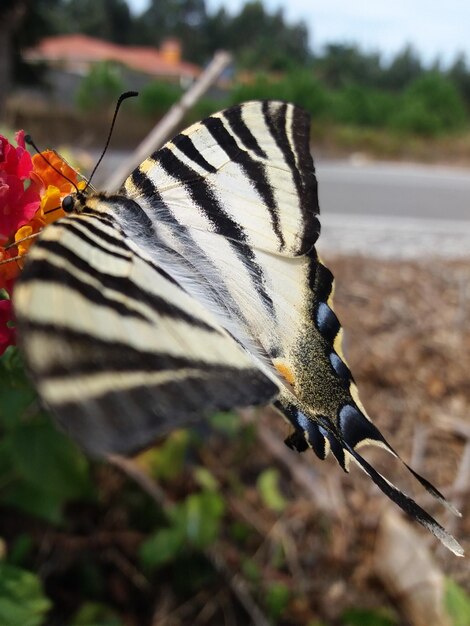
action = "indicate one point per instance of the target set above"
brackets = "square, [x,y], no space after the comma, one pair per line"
[391,210]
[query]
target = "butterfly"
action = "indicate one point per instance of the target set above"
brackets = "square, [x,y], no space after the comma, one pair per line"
[197,288]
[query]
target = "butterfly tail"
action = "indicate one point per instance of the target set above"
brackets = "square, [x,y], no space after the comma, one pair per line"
[343,438]
[408,505]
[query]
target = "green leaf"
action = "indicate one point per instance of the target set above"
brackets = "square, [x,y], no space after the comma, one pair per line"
[22,601]
[167,461]
[205,479]
[277,598]
[40,470]
[96,614]
[162,547]
[20,549]
[251,570]
[199,517]
[227,423]
[369,617]
[457,602]
[240,532]
[49,461]
[268,486]
[26,497]
[16,392]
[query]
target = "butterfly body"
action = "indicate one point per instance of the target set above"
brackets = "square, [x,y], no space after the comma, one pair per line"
[198,288]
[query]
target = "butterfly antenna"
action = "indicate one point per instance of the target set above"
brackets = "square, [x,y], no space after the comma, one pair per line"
[29,140]
[56,208]
[122,97]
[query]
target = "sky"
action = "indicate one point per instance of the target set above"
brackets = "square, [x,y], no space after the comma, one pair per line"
[435,28]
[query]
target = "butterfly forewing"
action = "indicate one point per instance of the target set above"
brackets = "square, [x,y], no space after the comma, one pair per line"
[119,352]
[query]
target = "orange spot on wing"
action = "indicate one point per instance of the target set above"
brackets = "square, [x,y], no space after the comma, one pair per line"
[285,371]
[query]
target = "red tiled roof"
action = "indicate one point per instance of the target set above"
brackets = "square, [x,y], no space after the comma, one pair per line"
[83,50]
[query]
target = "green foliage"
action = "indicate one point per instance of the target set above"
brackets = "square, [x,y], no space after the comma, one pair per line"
[430,106]
[95,614]
[251,33]
[368,617]
[300,87]
[157,97]
[276,599]
[101,87]
[205,479]
[252,571]
[457,603]
[16,394]
[268,487]
[106,19]
[40,469]
[459,74]
[167,460]
[193,524]
[343,64]
[227,423]
[162,547]
[22,601]
[362,106]
[404,69]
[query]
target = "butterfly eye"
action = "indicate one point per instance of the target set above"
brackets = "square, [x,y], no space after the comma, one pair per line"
[68,204]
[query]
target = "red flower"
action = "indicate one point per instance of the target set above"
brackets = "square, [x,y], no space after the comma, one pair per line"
[15,161]
[30,197]
[17,205]
[7,334]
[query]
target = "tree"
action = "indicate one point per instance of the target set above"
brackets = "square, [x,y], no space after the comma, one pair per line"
[11,14]
[430,105]
[405,68]
[106,19]
[265,41]
[344,64]
[183,19]
[41,19]
[459,73]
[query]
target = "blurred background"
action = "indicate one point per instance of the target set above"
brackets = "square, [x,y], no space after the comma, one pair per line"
[223,524]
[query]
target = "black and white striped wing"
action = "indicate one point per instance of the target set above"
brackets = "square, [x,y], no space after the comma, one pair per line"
[118,351]
[246,173]
[231,206]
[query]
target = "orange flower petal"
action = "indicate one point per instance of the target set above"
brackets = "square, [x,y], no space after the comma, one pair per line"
[48,176]
[8,271]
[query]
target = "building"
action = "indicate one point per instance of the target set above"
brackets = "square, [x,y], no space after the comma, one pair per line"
[77,53]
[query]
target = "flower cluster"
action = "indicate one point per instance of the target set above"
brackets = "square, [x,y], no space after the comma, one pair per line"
[31,192]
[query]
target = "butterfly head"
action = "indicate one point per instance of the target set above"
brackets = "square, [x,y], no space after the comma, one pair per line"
[74,202]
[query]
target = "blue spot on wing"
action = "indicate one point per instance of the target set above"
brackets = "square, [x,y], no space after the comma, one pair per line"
[327,322]
[355,427]
[341,369]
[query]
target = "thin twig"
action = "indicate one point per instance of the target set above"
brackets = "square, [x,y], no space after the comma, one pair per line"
[15,243]
[13,258]
[167,124]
